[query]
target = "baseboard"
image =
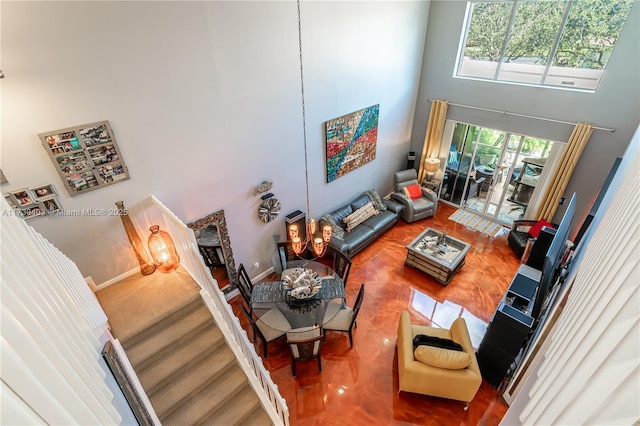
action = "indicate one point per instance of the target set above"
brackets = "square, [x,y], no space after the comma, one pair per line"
[113,280]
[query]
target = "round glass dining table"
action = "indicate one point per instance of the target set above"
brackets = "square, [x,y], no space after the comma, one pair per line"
[299,313]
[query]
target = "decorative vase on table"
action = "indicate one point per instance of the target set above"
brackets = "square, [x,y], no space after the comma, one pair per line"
[146,266]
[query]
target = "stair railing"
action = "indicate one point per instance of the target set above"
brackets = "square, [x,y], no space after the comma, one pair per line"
[235,336]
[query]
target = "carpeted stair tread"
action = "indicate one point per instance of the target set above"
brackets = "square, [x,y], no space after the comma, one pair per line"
[258,417]
[179,311]
[176,334]
[167,369]
[191,382]
[236,411]
[216,396]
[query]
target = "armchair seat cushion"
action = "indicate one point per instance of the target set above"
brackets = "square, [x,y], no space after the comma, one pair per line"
[442,358]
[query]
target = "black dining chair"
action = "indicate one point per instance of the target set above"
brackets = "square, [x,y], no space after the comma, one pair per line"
[341,265]
[245,286]
[265,332]
[344,319]
[304,344]
[286,253]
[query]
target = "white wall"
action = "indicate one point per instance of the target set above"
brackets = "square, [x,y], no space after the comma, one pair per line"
[204,100]
[615,104]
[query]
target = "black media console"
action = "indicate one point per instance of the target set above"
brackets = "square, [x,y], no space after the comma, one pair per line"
[509,328]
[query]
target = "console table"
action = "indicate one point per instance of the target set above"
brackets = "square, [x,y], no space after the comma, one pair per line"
[509,328]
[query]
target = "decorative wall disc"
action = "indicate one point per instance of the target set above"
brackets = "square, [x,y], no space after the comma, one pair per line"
[269,209]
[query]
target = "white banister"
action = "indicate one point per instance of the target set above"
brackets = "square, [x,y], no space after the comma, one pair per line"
[235,336]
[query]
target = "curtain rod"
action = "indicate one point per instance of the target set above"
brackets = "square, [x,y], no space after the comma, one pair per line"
[524,115]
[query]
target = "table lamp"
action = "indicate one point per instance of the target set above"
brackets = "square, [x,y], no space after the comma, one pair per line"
[431,166]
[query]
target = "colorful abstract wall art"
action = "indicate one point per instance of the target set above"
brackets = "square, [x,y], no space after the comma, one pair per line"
[351,141]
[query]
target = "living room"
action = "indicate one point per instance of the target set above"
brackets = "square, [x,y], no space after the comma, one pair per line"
[204,99]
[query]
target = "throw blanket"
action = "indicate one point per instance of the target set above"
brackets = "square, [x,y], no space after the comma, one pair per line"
[375,198]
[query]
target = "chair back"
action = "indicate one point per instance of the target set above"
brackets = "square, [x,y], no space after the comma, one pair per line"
[286,253]
[210,256]
[404,178]
[305,344]
[245,285]
[341,265]
[357,305]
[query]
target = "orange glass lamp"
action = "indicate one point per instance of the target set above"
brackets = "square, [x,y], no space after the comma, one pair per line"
[163,250]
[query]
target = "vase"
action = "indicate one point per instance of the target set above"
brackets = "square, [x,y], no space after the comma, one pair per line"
[146,266]
[276,261]
[163,250]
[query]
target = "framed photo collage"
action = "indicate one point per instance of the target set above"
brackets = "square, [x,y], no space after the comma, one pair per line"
[87,157]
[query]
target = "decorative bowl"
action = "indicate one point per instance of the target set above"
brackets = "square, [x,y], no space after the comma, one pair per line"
[301,283]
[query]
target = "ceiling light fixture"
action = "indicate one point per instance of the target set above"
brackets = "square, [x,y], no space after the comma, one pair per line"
[319,243]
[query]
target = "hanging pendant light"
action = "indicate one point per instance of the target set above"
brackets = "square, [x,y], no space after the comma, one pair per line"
[318,243]
[163,250]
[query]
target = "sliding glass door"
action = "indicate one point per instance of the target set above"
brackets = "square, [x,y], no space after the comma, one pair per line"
[491,172]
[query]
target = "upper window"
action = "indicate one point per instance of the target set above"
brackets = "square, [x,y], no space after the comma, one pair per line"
[559,43]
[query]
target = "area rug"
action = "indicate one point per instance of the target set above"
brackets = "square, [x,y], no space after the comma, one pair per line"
[473,221]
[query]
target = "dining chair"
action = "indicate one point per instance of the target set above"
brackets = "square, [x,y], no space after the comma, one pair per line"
[304,344]
[265,332]
[245,285]
[341,265]
[286,253]
[337,318]
[246,281]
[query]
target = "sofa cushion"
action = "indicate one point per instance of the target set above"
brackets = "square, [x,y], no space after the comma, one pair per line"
[359,201]
[359,216]
[442,358]
[341,213]
[381,221]
[413,191]
[336,230]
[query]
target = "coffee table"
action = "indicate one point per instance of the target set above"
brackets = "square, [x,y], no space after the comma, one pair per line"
[437,255]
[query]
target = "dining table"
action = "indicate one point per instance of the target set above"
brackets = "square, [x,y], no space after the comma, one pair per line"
[301,313]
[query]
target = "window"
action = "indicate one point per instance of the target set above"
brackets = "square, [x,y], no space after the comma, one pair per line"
[558,43]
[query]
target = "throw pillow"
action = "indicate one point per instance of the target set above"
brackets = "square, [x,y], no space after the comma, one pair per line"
[438,342]
[336,232]
[535,229]
[360,215]
[413,191]
[376,200]
[442,358]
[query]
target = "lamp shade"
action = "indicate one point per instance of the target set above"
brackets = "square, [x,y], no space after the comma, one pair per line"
[431,164]
[163,250]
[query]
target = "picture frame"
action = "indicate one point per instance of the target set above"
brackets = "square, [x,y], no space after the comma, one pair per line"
[86,157]
[10,200]
[31,210]
[22,197]
[51,205]
[43,191]
[3,179]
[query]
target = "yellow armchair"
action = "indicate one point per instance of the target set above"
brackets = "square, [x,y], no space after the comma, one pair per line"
[418,377]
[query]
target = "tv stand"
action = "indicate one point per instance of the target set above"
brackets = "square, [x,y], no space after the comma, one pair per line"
[509,328]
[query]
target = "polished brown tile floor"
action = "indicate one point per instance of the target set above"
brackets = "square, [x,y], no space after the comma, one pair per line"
[359,385]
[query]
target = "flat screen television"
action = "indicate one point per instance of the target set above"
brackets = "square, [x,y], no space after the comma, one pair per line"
[552,264]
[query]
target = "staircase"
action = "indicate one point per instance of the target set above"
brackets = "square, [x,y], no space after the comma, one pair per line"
[189,373]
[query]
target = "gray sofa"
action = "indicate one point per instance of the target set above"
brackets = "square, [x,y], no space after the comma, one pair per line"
[366,232]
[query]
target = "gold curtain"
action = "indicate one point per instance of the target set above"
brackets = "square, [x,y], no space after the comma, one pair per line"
[433,136]
[578,140]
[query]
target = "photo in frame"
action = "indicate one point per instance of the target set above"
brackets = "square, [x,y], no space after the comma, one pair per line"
[351,141]
[43,191]
[51,205]
[22,197]
[86,157]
